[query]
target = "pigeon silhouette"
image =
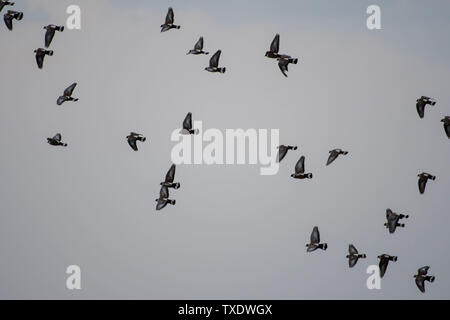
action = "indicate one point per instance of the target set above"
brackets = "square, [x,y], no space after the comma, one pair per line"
[446,122]
[353,256]
[214,63]
[50,33]
[164,200]
[170,177]
[198,48]
[40,55]
[393,220]
[384,261]
[423,179]
[284,61]
[67,95]
[170,17]
[56,141]
[421,103]
[187,126]
[274,48]
[300,170]
[334,154]
[9,16]
[133,138]
[422,276]
[315,241]
[5,3]
[283,150]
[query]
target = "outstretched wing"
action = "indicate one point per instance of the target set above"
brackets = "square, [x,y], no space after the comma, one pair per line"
[333,156]
[383,266]
[315,236]
[352,249]
[164,192]
[8,21]
[40,59]
[199,45]
[170,16]
[132,142]
[422,184]
[447,129]
[282,151]
[187,123]
[283,65]
[420,106]
[275,46]
[170,176]
[214,62]
[57,137]
[162,203]
[49,34]
[423,271]
[420,282]
[61,100]
[68,92]
[352,260]
[300,166]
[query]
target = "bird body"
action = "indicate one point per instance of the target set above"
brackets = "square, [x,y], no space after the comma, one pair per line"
[315,241]
[67,95]
[188,127]
[300,170]
[50,33]
[214,63]
[133,138]
[56,141]
[163,199]
[9,16]
[283,63]
[384,262]
[393,220]
[422,276]
[168,24]
[423,179]
[283,150]
[334,154]
[446,123]
[40,55]
[198,48]
[353,256]
[170,178]
[421,103]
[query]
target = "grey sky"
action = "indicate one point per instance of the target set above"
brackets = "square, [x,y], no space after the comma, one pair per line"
[233,233]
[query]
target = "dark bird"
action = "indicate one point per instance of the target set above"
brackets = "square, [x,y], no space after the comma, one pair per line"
[284,61]
[198,48]
[5,3]
[421,104]
[170,177]
[384,261]
[283,150]
[133,138]
[169,22]
[393,220]
[67,95]
[187,126]
[9,16]
[50,33]
[353,256]
[334,154]
[56,141]
[214,63]
[164,200]
[422,276]
[274,48]
[300,170]
[40,55]
[446,122]
[423,179]
[315,241]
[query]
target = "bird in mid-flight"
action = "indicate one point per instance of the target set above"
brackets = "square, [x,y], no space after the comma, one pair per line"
[421,103]
[133,138]
[283,150]
[214,63]
[9,16]
[170,17]
[315,241]
[283,63]
[5,3]
[198,48]
[446,122]
[170,178]
[300,170]
[187,126]
[56,141]
[67,95]
[393,220]
[163,199]
[50,33]
[423,179]
[422,276]
[40,55]
[334,154]
[353,256]
[274,48]
[384,261]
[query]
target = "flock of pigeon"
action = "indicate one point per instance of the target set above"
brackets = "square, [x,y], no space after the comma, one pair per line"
[393,219]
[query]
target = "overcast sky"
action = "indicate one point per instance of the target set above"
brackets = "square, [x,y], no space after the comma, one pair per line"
[233,233]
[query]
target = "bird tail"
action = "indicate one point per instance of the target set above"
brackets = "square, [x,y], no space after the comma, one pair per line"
[362,256]
[432,103]
[394,259]
[345,153]
[309,176]
[49,52]
[173,202]
[401,225]
[20,16]
[294,148]
[433,178]
[222,70]
[323,246]
[177,186]
[432,278]
[64,144]
[294,61]
[206,53]
[75,100]
[178,27]
[60,29]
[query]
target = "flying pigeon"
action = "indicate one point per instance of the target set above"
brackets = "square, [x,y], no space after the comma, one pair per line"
[40,55]
[393,220]
[274,48]
[187,126]
[421,104]
[334,154]
[315,241]
[353,256]
[446,122]
[67,95]
[384,261]
[283,150]
[164,200]
[284,61]
[50,33]
[422,276]
[5,3]
[198,48]
[133,138]
[214,63]
[300,170]
[9,16]
[56,141]
[169,22]
[170,177]
[423,179]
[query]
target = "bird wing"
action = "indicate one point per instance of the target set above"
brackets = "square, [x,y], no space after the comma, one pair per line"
[40,59]
[170,176]
[333,156]
[275,46]
[8,21]
[352,260]
[283,65]
[300,166]
[170,16]
[420,106]
[61,100]
[199,45]
[352,249]
[282,151]
[132,142]
[49,34]
[422,184]
[187,123]
[162,203]
[420,282]
[68,92]
[447,129]
[383,266]
[214,62]
[423,271]
[164,192]
[315,236]
[57,137]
